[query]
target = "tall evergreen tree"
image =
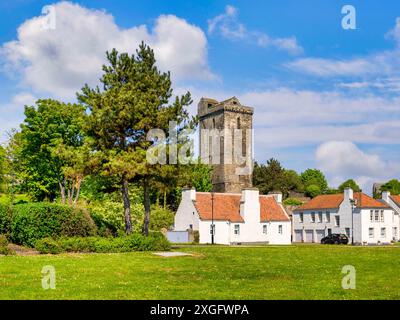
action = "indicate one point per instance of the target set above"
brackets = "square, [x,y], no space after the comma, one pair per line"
[135,98]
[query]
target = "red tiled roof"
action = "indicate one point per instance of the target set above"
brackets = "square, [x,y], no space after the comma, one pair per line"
[364,201]
[271,210]
[396,199]
[227,208]
[332,201]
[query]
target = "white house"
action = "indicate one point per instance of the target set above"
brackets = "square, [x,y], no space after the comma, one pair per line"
[392,201]
[373,221]
[238,218]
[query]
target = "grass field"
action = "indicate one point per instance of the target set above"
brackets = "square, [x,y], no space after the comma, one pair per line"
[292,272]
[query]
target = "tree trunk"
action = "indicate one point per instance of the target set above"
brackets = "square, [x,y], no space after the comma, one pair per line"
[71,196]
[127,205]
[146,194]
[78,190]
[62,191]
[165,199]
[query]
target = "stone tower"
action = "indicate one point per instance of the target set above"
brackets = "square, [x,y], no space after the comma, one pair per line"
[224,117]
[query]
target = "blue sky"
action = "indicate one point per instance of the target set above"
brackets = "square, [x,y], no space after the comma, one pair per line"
[323,96]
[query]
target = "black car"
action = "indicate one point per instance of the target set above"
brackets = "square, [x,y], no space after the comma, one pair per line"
[335,238]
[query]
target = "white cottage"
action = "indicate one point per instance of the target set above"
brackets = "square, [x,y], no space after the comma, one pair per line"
[238,218]
[373,221]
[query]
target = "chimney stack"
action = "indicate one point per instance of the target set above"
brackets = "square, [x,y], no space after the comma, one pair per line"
[348,194]
[386,196]
[277,196]
[188,194]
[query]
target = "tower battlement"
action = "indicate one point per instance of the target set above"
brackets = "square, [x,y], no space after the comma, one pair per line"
[226,116]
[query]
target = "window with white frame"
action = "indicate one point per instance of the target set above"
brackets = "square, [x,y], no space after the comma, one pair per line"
[236,229]
[265,229]
[313,217]
[301,217]
[383,232]
[371,215]
[376,215]
[280,229]
[337,221]
[394,232]
[382,217]
[371,232]
[328,217]
[320,217]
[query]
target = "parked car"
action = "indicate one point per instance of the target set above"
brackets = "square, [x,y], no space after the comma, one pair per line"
[335,238]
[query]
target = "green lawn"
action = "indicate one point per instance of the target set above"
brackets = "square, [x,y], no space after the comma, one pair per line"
[291,272]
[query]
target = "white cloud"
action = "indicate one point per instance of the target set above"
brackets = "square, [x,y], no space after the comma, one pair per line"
[228,25]
[342,160]
[60,61]
[12,112]
[383,63]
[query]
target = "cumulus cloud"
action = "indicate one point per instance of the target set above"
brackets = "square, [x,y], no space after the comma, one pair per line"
[60,60]
[12,112]
[228,25]
[342,160]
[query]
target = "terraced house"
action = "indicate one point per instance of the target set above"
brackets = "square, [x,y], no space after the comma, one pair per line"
[234,218]
[363,219]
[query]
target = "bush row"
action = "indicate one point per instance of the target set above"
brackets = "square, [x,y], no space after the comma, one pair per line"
[134,242]
[26,223]
[4,249]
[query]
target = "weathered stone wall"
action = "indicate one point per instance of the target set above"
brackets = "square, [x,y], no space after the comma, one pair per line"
[229,114]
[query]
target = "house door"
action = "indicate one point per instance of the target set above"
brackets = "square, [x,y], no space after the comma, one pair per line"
[309,235]
[298,235]
[320,235]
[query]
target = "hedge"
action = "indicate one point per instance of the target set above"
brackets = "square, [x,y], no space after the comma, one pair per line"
[34,221]
[4,249]
[5,219]
[134,242]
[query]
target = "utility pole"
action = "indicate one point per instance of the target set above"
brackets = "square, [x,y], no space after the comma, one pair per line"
[352,203]
[212,218]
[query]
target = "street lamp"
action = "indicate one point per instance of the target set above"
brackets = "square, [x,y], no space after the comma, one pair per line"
[212,217]
[353,205]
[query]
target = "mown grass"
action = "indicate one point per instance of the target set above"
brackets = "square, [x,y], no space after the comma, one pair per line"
[290,272]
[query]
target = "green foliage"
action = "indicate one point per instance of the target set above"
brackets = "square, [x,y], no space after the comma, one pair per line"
[51,131]
[292,202]
[133,242]
[4,249]
[349,184]
[161,218]
[331,191]
[135,98]
[273,177]
[313,191]
[393,186]
[35,221]
[2,169]
[314,177]
[109,216]
[5,219]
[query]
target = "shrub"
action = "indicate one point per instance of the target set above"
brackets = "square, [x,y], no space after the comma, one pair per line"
[134,242]
[109,217]
[313,191]
[4,249]
[35,221]
[5,219]
[292,202]
[161,218]
[48,245]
